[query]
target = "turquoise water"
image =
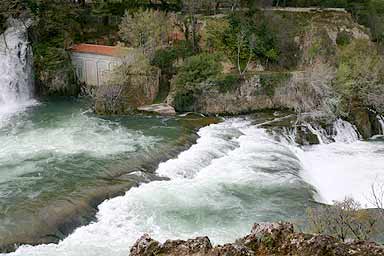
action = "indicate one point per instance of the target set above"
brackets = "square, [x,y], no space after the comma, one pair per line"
[59,151]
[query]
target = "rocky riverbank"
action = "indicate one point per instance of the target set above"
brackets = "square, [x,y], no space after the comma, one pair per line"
[276,239]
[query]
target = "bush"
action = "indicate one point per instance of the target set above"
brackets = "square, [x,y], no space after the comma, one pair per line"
[165,58]
[343,220]
[343,38]
[197,69]
[184,101]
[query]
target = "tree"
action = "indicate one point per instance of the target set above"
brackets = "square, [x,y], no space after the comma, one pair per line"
[343,220]
[239,42]
[146,29]
[377,197]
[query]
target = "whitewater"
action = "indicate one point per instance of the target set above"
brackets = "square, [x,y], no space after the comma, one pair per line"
[236,174]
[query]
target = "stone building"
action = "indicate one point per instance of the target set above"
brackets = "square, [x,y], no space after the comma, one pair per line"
[94,63]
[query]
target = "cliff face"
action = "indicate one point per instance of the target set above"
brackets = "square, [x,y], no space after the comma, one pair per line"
[278,239]
[311,82]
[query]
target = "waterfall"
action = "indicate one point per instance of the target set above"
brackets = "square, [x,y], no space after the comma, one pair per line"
[345,132]
[381,122]
[339,131]
[16,80]
[320,133]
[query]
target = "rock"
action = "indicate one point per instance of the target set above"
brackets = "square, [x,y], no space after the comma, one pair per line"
[145,246]
[268,239]
[160,109]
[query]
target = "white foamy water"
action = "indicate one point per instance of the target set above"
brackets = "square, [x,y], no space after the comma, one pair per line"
[16,79]
[235,175]
[381,122]
[25,146]
[340,170]
[345,132]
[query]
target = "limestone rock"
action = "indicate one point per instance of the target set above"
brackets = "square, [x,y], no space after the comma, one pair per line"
[160,109]
[269,239]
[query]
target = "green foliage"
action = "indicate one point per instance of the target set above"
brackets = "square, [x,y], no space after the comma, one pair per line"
[343,38]
[243,38]
[166,58]
[184,100]
[360,75]
[227,83]
[198,69]
[194,71]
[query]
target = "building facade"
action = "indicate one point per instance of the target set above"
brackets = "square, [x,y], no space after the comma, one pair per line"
[94,63]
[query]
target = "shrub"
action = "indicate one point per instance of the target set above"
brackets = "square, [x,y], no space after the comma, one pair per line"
[165,58]
[343,38]
[343,220]
[184,101]
[130,85]
[197,69]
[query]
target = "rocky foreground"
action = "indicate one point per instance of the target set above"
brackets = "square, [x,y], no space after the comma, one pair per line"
[264,240]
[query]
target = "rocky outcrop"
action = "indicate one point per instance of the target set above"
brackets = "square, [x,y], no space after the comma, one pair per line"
[310,83]
[276,239]
[158,109]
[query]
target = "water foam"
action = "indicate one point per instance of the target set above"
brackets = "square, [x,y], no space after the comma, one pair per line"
[27,146]
[345,132]
[235,175]
[246,177]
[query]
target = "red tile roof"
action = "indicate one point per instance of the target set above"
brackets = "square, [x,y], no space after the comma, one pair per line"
[98,49]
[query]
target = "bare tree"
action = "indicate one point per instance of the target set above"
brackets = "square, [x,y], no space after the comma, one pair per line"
[343,220]
[377,197]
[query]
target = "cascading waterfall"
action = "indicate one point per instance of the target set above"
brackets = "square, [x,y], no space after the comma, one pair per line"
[16,79]
[381,122]
[344,131]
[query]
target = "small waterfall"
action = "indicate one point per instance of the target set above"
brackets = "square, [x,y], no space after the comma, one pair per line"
[320,133]
[381,122]
[16,79]
[345,132]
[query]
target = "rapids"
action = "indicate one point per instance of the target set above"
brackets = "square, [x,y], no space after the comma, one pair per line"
[236,174]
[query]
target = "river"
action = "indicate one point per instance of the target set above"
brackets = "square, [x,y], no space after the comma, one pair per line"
[57,157]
